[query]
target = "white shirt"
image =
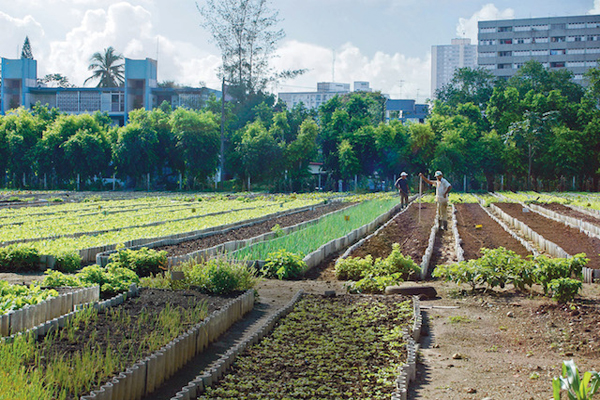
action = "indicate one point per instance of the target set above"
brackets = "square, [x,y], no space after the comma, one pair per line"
[440,188]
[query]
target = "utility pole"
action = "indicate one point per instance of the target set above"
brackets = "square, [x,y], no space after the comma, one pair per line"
[222,153]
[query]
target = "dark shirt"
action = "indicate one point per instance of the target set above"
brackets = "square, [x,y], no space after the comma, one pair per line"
[402,184]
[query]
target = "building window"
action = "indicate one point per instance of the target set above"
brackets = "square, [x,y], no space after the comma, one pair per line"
[557,39]
[518,65]
[578,76]
[575,51]
[487,54]
[557,64]
[593,25]
[523,40]
[540,27]
[90,101]
[539,52]
[521,53]
[488,30]
[575,63]
[578,38]
[576,25]
[539,40]
[523,28]
[591,64]
[558,26]
[504,66]
[505,41]
[488,66]
[487,42]
[557,52]
[504,53]
[505,29]
[593,50]
[592,38]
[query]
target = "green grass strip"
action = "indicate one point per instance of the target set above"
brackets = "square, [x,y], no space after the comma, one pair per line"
[331,227]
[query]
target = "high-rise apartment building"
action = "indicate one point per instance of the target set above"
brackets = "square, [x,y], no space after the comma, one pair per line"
[557,42]
[445,59]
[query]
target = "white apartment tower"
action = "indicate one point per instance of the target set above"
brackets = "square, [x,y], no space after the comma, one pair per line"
[445,59]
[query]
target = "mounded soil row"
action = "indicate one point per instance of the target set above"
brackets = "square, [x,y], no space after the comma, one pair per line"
[569,212]
[570,239]
[405,229]
[490,235]
[251,231]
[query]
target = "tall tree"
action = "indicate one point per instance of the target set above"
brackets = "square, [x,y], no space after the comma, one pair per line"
[26,50]
[108,68]
[56,80]
[246,33]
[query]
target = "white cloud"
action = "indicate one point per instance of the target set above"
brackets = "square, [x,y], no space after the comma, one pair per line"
[596,9]
[467,27]
[13,32]
[394,74]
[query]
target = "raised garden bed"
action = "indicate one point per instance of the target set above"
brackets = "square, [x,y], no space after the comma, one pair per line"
[404,229]
[570,212]
[328,348]
[247,232]
[571,240]
[96,345]
[477,229]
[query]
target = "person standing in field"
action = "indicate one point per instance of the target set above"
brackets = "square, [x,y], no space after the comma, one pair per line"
[402,186]
[442,188]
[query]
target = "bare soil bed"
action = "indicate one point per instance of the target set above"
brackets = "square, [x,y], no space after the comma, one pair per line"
[490,235]
[570,239]
[404,229]
[569,212]
[248,232]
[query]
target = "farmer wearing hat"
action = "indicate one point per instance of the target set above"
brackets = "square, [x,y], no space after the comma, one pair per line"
[442,188]
[402,186]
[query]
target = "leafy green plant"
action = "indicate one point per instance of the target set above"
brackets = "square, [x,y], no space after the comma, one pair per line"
[19,257]
[352,268]
[143,261]
[68,261]
[576,387]
[283,264]
[14,297]
[564,289]
[547,269]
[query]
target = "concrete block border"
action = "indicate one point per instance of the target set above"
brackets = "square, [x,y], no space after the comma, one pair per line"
[214,372]
[460,253]
[36,316]
[429,251]
[512,233]
[145,376]
[544,244]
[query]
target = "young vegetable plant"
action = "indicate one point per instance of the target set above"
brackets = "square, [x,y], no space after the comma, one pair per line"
[576,387]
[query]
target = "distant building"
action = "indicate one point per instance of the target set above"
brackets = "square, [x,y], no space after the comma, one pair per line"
[20,88]
[445,59]
[325,91]
[405,111]
[571,43]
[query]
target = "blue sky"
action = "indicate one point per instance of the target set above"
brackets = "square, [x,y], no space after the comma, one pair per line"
[385,42]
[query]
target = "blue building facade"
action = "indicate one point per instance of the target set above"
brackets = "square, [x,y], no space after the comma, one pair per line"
[20,87]
[405,110]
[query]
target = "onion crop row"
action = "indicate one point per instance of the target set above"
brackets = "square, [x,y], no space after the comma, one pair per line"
[330,227]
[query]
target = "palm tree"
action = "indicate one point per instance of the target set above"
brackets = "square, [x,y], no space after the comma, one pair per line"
[106,68]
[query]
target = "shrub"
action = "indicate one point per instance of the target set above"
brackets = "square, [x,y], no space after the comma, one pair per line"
[143,261]
[283,264]
[58,279]
[67,262]
[218,276]
[351,268]
[375,284]
[547,269]
[564,289]
[396,262]
[18,257]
